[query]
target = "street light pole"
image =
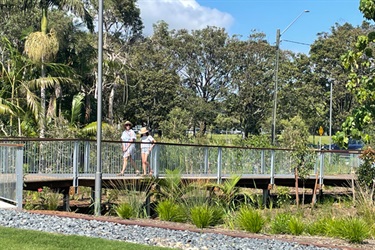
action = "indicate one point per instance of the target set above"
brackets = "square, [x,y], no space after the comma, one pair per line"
[98,174]
[278,36]
[330,115]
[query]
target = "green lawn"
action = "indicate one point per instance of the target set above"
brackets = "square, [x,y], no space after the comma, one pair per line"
[325,139]
[19,239]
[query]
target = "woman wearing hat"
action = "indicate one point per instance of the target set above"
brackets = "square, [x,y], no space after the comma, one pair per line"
[146,147]
[128,148]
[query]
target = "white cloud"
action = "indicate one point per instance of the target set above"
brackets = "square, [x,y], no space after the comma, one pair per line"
[181,14]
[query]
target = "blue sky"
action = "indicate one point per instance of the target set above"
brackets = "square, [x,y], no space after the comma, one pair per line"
[242,16]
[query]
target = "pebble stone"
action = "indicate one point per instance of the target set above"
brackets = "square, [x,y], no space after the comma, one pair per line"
[142,235]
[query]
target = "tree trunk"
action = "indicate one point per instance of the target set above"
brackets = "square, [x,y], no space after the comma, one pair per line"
[296,185]
[42,118]
[110,105]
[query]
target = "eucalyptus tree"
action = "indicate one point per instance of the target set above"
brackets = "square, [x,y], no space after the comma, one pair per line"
[252,79]
[122,27]
[299,94]
[325,56]
[153,73]
[205,69]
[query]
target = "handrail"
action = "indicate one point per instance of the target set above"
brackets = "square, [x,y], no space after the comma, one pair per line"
[175,144]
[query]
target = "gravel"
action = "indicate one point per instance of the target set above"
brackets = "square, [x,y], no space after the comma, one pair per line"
[141,235]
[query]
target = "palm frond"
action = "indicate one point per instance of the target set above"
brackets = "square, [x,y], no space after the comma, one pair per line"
[91,128]
[5,107]
[33,103]
[50,81]
[76,108]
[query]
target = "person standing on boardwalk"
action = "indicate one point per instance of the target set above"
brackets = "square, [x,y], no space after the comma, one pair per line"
[146,147]
[128,138]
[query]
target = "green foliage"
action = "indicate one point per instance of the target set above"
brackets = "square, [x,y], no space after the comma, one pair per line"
[124,211]
[250,219]
[366,171]
[177,123]
[320,226]
[365,204]
[367,7]
[283,196]
[168,210]
[355,230]
[296,226]
[44,199]
[203,216]
[280,224]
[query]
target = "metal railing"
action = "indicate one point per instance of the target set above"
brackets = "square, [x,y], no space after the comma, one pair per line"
[11,176]
[76,158]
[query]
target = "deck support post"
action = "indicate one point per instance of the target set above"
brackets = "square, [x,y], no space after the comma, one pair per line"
[265,196]
[66,206]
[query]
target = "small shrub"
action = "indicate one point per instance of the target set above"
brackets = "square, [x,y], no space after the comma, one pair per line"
[52,200]
[170,211]
[355,230]
[280,224]
[124,211]
[366,171]
[296,226]
[320,227]
[203,215]
[250,220]
[283,196]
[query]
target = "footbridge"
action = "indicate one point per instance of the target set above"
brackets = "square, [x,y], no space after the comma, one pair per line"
[66,164]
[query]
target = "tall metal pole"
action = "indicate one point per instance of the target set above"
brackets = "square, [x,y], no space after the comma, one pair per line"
[98,174]
[330,115]
[273,135]
[274,111]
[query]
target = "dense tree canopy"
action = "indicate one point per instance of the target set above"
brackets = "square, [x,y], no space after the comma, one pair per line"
[173,80]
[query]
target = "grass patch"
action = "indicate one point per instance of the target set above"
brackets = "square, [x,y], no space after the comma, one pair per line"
[20,239]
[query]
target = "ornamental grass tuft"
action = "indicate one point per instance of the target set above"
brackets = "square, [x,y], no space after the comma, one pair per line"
[203,216]
[354,229]
[124,210]
[250,219]
[168,210]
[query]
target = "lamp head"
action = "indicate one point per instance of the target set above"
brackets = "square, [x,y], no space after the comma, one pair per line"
[306,11]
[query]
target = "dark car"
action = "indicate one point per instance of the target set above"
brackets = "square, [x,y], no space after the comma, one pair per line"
[352,145]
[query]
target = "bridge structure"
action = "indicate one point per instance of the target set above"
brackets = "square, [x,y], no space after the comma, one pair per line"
[66,164]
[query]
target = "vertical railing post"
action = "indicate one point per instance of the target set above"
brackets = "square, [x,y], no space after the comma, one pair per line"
[321,171]
[272,180]
[262,162]
[19,176]
[219,167]
[86,157]
[206,160]
[75,164]
[155,160]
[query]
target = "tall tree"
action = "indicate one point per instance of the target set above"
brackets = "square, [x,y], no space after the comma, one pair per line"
[205,67]
[42,46]
[359,61]
[253,74]
[325,56]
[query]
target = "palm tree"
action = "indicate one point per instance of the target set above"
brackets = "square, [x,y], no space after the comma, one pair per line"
[42,46]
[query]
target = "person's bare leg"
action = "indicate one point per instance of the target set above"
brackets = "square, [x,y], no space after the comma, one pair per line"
[124,165]
[144,165]
[147,164]
[132,162]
